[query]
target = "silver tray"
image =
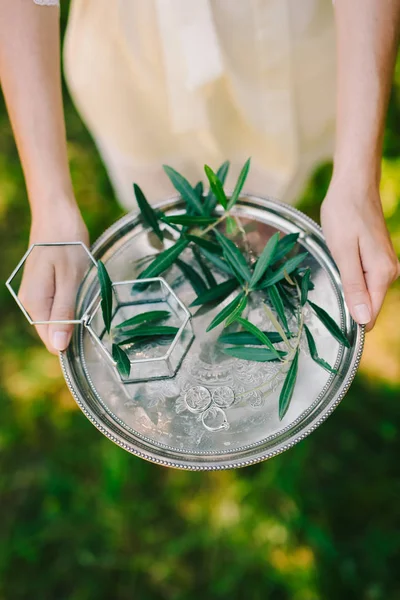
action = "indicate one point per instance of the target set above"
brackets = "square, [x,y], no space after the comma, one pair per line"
[236,421]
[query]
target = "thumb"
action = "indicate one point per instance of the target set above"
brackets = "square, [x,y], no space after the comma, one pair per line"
[63,310]
[354,285]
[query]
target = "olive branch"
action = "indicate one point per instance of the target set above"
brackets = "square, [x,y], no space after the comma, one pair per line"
[277,275]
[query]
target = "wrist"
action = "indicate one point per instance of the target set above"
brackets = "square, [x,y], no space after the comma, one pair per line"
[363,173]
[57,220]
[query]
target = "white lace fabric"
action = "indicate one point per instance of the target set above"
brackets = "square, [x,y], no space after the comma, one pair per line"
[47,2]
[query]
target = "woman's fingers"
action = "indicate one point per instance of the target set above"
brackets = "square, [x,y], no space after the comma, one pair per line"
[70,265]
[384,270]
[37,290]
[50,282]
[355,286]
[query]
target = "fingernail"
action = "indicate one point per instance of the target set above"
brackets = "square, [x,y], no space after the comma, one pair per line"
[362,314]
[60,340]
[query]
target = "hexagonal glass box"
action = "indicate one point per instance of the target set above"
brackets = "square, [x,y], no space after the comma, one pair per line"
[150,358]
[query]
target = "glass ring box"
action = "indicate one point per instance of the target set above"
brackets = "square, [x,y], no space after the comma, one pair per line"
[155,358]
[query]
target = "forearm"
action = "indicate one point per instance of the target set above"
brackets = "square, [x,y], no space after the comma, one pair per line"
[31,83]
[367,38]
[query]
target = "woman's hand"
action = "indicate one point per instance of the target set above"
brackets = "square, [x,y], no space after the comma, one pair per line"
[357,236]
[52,274]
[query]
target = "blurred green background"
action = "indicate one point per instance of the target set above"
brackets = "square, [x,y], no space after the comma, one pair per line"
[82,519]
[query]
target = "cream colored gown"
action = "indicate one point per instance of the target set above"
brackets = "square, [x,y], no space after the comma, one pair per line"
[189,82]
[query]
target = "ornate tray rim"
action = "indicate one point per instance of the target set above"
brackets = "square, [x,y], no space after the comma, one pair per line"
[109,431]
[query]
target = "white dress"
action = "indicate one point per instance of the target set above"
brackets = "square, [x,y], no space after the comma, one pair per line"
[189,82]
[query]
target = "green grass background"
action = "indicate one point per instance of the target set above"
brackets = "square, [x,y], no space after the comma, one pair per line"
[81,519]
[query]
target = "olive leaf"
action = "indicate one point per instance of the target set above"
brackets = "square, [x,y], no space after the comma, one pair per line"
[225,312]
[211,200]
[216,187]
[330,324]
[231,226]
[288,386]
[239,184]
[189,220]
[304,286]
[253,354]
[204,268]
[287,298]
[277,303]
[163,218]
[219,292]
[205,243]
[122,360]
[270,315]
[150,316]
[237,312]
[144,331]
[195,280]
[199,189]
[218,262]
[148,213]
[235,257]
[246,338]
[164,260]
[314,353]
[264,260]
[181,184]
[106,293]
[289,266]
[285,245]
[253,329]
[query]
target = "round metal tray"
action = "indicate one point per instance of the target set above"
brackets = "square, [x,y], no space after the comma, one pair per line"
[235,422]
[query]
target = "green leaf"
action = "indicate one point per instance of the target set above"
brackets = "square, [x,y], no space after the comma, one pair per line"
[276,324]
[211,200]
[106,294]
[144,331]
[246,338]
[314,353]
[164,260]
[122,360]
[237,312]
[204,268]
[253,329]
[330,324]
[253,354]
[216,187]
[287,298]
[151,315]
[277,303]
[199,189]
[225,312]
[163,218]
[189,220]
[235,257]
[285,245]
[197,283]
[148,213]
[264,260]
[233,268]
[217,293]
[181,184]
[231,226]
[204,243]
[239,184]
[304,286]
[289,266]
[218,262]
[288,386]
